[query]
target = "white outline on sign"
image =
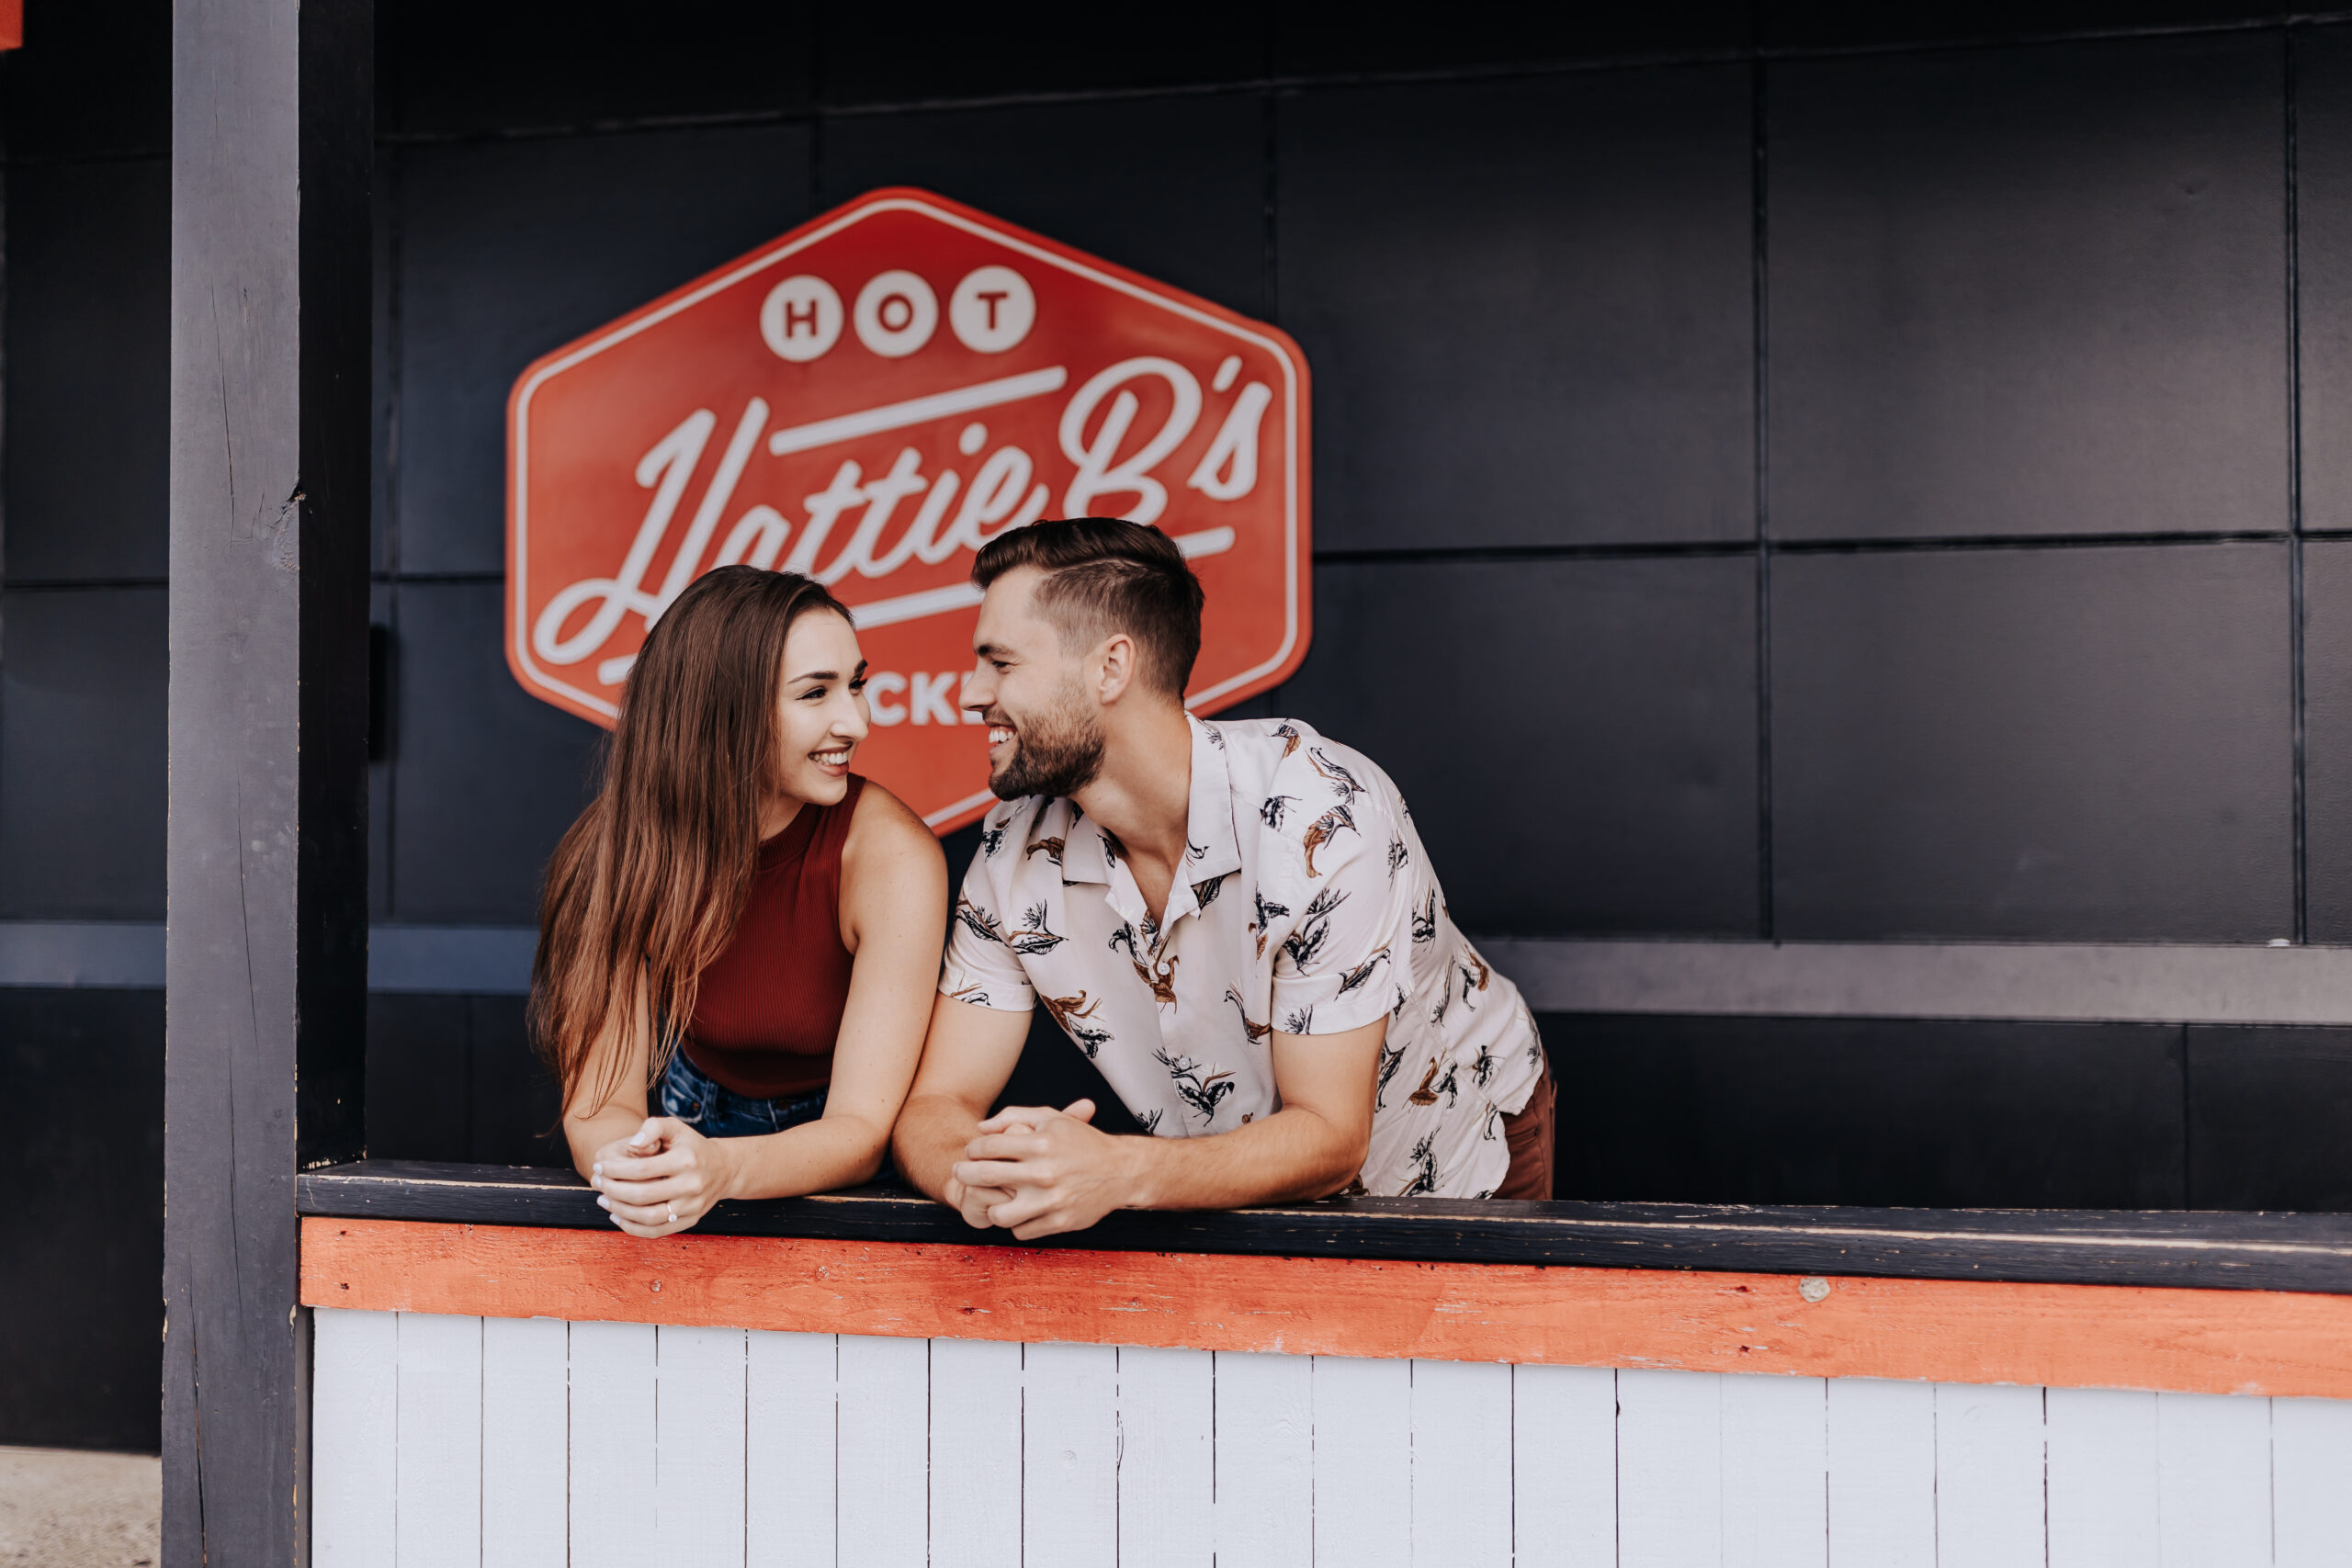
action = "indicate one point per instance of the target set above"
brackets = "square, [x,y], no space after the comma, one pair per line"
[521,477]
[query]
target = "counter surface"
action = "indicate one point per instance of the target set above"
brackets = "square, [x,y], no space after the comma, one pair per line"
[2202,1250]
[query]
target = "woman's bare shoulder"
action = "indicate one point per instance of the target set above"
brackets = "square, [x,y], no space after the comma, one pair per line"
[886,830]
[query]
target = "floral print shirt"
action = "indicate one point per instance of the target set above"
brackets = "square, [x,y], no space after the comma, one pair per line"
[1306,906]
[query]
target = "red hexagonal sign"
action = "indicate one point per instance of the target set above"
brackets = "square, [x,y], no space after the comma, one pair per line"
[869,400]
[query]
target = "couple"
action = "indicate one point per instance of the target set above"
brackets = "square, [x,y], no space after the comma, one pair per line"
[1236,922]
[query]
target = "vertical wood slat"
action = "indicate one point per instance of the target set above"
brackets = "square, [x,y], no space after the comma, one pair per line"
[1069,1456]
[524,1451]
[355,1454]
[612,1428]
[1363,1463]
[1883,1472]
[882,1500]
[788,1449]
[1669,1469]
[2102,1478]
[699,1431]
[1989,1470]
[2311,1457]
[2213,1479]
[1167,1459]
[1563,1466]
[1462,1463]
[1265,1419]
[1775,1472]
[445,1439]
[976,1422]
[438,1509]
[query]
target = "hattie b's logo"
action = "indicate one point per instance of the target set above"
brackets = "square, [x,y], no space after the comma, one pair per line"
[868,400]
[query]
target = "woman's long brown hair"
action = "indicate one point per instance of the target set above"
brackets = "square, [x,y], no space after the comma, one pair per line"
[646,887]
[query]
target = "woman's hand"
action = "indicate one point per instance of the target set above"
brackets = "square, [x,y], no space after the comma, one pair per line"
[663,1178]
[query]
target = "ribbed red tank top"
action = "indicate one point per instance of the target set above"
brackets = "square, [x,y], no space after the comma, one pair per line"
[769,1008]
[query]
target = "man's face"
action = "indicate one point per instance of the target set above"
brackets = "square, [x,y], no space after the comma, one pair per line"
[1044,728]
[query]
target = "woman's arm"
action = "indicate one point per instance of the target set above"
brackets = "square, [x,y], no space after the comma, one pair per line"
[615,1069]
[893,912]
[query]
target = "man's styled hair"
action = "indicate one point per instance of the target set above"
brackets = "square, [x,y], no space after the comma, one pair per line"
[1104,575]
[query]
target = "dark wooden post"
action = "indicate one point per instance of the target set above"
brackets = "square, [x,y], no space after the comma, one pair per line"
[268,959]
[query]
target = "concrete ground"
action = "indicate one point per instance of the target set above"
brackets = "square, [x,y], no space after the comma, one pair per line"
[61,1509]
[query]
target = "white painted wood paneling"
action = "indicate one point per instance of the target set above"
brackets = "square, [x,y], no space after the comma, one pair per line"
[1883,1472]
[1265,1419]
[532,1444]
[437,1521]
[1669,1469]
[612,1445]
[882,1513]
[355,1428]
[1460,1464]
[1363,1463]
[1775,1463]
[1070,1444]
[789,1441]
[698,1427]
[2213,1479]
[1989,1470]
[2311,1455]
[525,1447]
[975,1454]
[2102,1478]
[1563,1466]
[1167,1459]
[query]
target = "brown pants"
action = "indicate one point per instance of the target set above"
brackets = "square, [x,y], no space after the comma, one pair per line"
[1529,1135]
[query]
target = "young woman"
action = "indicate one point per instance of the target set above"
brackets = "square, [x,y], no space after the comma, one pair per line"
[739,923]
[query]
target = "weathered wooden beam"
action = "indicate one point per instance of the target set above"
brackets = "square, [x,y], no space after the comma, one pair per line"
[266,964]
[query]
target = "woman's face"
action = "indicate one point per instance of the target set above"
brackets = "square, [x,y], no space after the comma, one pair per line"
[823,713]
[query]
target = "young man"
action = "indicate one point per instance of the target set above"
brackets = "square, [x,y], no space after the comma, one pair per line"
[1235,921]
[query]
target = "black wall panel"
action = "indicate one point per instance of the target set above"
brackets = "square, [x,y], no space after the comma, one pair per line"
[2049,745]
[2032,290]
[484,778]
[94,79]
[2327,738]
[1869,1112]
[1577,738]
[2323,67]
[508,248]
[1174,187]
[1528,306]
[1834,24]
[1313,38]
[452,1077]
[448,67]
[927,51]
[88,272]
[2267,1110]
[82,694]
[82,1235]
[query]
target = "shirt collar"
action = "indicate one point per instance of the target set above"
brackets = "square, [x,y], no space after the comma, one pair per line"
[1212,847]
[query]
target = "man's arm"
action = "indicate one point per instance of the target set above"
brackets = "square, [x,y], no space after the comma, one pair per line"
[1062,1175]
[967,1059]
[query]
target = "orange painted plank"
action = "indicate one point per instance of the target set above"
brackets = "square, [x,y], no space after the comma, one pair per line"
[12,24]
[1941,1330]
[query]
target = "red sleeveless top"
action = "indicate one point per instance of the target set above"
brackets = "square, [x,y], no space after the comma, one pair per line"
[768,1010]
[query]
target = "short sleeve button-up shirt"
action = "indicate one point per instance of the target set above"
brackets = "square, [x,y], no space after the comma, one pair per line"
[1305,905]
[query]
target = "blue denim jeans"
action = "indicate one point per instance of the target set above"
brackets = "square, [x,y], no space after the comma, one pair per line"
[714,1110]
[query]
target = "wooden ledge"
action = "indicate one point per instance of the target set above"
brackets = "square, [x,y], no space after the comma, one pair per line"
[2309,1253]
[1944,1331]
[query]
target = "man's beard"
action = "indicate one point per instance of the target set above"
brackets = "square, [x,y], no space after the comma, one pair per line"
[1055,755]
